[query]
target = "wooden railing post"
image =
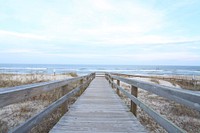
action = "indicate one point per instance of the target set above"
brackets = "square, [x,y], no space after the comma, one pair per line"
[134,92]
[65,104]
[112,82]
[118,83]
[109,79]
[81,82]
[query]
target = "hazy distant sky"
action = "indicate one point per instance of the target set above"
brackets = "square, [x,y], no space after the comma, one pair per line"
[135,32]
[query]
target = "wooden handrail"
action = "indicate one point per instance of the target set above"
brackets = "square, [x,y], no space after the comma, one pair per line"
[155,77]
[188,98]
[19,93]
[16,94]
[30,123]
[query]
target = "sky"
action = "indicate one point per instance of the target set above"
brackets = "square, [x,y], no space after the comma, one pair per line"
[117,32]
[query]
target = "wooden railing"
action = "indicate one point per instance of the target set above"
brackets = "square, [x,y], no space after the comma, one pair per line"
[20,93]
[188,98]
[169,78]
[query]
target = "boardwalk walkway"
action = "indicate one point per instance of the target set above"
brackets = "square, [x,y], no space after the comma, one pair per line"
[98,109]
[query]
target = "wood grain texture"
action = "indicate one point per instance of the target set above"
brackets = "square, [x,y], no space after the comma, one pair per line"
[99,109]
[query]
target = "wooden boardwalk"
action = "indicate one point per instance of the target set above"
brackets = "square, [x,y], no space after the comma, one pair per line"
[98,109]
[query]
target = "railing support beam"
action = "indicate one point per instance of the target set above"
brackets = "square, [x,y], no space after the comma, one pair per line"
[112,83]
[118,83]
[134,92]
[65,104]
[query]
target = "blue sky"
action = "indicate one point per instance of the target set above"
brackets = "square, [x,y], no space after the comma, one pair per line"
[132,32]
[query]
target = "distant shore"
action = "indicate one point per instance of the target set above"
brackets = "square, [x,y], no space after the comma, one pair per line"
[86,69]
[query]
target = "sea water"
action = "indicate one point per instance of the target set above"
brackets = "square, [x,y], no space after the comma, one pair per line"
[86,69]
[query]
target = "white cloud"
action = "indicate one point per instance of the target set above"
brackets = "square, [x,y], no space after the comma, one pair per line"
[69,29]
[156,56]
[9,34]
[96,22]
[102,22]
[102,5]
[22,51]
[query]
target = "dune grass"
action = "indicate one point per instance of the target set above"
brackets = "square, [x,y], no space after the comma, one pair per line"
[10,80]
[154,80]
[184,117]
[14,114]
[186,84]
[72,74]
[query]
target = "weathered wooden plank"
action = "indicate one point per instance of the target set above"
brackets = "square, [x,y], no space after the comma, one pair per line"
[57,131]
[20,93]
[30,123]
[99,109]
[166,124]
[106,126]
[186,97]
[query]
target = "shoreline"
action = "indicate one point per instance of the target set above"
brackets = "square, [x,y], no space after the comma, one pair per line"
[149,70]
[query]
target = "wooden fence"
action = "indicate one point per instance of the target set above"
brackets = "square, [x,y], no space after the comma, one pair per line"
[20,93]
[188,98]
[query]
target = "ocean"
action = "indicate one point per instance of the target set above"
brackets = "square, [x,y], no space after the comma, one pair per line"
[85,69]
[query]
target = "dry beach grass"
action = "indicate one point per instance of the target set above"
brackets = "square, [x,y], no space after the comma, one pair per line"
[15,114]
[10,80]
[184,117]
